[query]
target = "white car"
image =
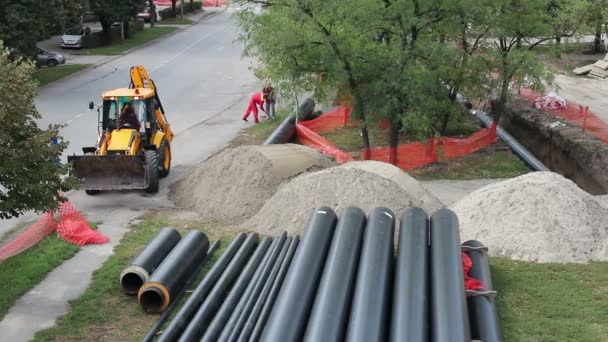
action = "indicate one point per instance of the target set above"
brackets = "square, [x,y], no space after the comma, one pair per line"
[73,37]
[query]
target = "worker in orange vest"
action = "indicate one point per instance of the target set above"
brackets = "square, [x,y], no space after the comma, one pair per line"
[256,100]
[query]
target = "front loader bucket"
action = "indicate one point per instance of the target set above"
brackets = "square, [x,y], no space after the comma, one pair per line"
[111,172]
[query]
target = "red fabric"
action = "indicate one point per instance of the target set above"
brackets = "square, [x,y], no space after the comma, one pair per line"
[70,226]
[254,102]
[214,3]
[469,282]
[575,114]
[405,156]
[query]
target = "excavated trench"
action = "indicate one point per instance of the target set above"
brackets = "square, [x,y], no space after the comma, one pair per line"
[560,145]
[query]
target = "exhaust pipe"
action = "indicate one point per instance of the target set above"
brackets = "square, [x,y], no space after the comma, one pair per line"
[287,321]
[170,277]
[369,315]
[138,272]
[329,318]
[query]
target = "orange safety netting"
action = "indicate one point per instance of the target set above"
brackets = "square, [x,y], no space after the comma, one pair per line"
[470,283]
[576,114]
[405,156]
[214,3]
[68,222]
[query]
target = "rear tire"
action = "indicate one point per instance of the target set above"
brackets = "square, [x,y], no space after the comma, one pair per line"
[91,192]
[164,159]
[51,63]
[152,171]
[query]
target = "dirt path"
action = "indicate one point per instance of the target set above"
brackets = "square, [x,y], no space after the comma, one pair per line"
[585,91]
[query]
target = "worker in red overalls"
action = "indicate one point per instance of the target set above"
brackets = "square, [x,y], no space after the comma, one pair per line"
[256,100]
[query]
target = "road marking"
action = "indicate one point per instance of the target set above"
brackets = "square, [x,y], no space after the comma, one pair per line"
[68,122]
[78,116]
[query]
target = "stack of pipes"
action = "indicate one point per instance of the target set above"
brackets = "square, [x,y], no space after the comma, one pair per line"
[343,282]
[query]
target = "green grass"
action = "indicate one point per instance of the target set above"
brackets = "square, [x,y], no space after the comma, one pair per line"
[175,21]
[139,38]
[493,161]
[551,302]
[103,312]
[24,271]
[46,75]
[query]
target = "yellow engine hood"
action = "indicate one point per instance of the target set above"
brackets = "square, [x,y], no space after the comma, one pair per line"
[123,139]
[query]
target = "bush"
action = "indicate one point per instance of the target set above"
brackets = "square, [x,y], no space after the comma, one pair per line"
[97,39]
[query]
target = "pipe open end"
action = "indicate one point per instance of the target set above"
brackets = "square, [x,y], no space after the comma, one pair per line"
[131,282]
[152,300]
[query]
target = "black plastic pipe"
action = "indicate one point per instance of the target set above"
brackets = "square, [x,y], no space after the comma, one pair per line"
[240,306]
[482,309]
[515,146]
[284,133]
[165,315]
[217,324]
[253,317]
[287,129]
[370,309]
[287,321]
[141,267]
[253,297]
[329,317]
[170,277]
[449,316]
[214,299]
[410,313]
[255,326]
[183,316]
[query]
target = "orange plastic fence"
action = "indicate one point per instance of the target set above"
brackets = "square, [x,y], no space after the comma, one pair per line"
[576,114]
[68,222]
[405,156]
[214,3]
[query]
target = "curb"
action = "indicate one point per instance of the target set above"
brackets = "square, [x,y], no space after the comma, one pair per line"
[146,44]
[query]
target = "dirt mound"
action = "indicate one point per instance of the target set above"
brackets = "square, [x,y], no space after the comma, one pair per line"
[233,185]
[367,185]
[540,216]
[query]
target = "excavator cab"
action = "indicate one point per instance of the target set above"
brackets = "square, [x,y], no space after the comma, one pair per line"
[133,147]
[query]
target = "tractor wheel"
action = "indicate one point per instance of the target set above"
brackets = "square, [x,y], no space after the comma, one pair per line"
[164,159]
[151,171]
[91,192]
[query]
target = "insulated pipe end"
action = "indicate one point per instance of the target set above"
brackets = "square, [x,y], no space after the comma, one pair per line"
[133,278]
[154,297]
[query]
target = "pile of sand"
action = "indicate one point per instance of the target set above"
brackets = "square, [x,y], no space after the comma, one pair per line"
[540,216]
[233,185]
[367,185]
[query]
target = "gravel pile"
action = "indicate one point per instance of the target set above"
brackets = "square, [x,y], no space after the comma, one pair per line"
[232,185]
[540,217]
[366,184]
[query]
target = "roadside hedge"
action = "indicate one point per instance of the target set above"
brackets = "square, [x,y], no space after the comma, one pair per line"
[97,39]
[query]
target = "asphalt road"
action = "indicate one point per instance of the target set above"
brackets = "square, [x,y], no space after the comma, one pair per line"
[204,85]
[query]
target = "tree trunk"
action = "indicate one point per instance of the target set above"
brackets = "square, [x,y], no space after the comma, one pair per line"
[125,25]
[393,139]
[499,106]
[173,2]
[192,5]
[153,10]
[365,139]
[597,42]
[106,26]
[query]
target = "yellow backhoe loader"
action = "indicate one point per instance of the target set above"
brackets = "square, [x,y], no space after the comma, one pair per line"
[134,143]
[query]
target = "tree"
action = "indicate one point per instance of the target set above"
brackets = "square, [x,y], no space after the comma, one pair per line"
[24,23]
[109,11]
[597,20]
[30,176]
